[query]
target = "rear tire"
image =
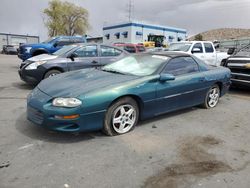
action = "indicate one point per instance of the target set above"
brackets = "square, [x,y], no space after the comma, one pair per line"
[212,97]
[121,117]
[52,73]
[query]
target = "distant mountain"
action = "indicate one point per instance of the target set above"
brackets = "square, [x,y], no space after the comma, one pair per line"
[224,33]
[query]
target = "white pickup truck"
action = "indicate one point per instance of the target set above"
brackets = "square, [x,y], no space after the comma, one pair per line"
[202,49]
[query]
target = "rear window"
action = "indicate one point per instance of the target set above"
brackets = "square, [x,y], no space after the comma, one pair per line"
[130,49]
[208,48]
[140,48]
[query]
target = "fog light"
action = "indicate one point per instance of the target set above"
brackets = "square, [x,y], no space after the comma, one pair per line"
[68,117]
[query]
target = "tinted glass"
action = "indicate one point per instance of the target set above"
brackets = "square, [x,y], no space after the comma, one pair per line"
[130,49]
[87,51]
[181,65]
[109,51]
[198,45]
[62,42]
[208,48]
[244,52]
[140,48]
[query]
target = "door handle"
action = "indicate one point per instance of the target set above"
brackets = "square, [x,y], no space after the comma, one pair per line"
[94,62]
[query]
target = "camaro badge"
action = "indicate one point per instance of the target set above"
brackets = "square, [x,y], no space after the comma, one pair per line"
[247,65]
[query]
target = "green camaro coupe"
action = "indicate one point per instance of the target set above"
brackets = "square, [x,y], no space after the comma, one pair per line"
[115,97]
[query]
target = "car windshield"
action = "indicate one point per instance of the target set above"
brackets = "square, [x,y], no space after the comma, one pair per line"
[183,46]
[244,52]
[139,65]
[50,40]
[64,50]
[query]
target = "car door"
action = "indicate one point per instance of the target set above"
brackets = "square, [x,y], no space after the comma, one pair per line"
[85,57]
[109,54]
[186,90]
[198,50]
[210,53]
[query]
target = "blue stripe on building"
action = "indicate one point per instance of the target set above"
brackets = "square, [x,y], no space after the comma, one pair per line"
[145,26]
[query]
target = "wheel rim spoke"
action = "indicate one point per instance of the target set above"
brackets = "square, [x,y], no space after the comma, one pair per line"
[117,120]
[130,112]
[213,97]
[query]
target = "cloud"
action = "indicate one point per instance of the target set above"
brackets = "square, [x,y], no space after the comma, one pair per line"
[25,17]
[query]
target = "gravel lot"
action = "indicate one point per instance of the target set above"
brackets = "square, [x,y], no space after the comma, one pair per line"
[189,148]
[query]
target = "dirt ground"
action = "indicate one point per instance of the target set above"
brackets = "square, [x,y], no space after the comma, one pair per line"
[194,147]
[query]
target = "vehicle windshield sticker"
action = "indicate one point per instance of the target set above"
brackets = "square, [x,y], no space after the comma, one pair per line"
[160,57]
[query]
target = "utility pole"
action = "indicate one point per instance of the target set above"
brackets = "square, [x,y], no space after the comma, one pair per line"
[130,10]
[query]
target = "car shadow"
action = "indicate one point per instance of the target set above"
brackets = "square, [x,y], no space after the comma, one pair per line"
[23,86]
[39,133]
[168,115]
[240,90]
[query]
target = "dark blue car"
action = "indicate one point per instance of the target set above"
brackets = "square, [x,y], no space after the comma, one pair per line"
[47,47]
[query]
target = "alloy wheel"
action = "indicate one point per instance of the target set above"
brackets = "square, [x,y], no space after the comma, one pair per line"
[213,97]
[124,118]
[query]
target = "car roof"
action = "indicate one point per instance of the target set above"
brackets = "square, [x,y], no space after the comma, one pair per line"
[171,54]
[97,44]
[127,44]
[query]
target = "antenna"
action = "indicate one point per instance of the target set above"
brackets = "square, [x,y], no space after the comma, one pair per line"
[130,10]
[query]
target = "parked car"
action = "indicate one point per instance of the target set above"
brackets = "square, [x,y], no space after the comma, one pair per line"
[204,50]
[9,49]
[69,58]
[50,46]
[116,96]
[131,48]
[239,64]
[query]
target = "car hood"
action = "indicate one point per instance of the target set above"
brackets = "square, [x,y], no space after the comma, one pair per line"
[75,83]
[42,57]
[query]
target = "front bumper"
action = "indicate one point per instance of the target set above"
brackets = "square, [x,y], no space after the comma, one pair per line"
[24,56]
[41,112]
[32,77]
[241,79]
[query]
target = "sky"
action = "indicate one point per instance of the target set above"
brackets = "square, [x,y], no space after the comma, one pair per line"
[26,16]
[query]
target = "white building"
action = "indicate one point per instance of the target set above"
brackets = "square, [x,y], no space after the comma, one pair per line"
[134,32]
[16,39]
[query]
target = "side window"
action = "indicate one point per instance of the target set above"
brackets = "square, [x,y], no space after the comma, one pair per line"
[87,51]
[199,46]
[140,48]
[76,40]
[208,48]
[62,42]
[109,51]
[181,65]
[130,49]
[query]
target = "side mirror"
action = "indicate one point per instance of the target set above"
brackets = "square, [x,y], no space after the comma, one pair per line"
[166,77]
[196,50]
[72,56]
[230,51]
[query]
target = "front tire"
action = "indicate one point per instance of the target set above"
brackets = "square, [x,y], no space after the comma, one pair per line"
[52,73]
[212,97]
[121,117]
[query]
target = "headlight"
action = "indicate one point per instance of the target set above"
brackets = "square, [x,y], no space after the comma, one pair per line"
[66,102]
[34,65]
[27,49]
